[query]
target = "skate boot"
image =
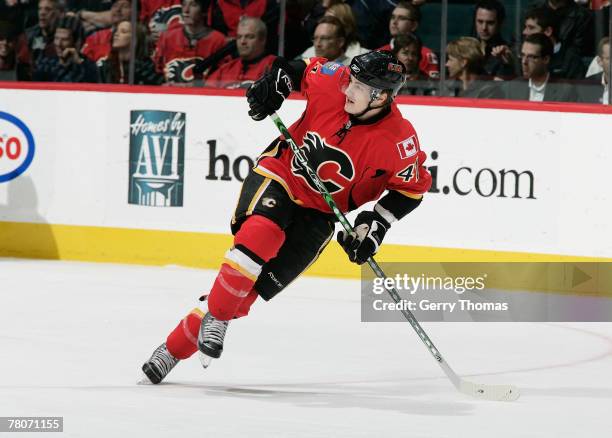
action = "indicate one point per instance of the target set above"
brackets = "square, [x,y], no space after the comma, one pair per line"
[210,338]
[160,364]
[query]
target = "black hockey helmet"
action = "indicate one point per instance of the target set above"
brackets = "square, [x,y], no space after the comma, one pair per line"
[379,69]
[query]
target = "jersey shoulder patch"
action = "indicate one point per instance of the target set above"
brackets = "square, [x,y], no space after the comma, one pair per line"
[330,68]
[409,147]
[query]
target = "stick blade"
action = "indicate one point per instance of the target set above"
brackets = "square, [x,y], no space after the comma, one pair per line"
[490,392]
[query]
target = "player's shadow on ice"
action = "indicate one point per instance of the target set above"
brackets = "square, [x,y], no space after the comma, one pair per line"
[23,231]
[405,399]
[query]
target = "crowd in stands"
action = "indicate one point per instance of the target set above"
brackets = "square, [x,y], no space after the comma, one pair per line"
[560,53]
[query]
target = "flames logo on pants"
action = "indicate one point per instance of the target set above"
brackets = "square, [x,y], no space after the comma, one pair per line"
[333,165]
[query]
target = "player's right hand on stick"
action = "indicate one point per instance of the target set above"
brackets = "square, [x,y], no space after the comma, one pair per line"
[267,94]
[370,229]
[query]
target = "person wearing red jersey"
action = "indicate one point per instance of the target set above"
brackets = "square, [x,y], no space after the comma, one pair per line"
[98,45]
[225,14]
[355,137]
[179,48]
[160,16]
[405,19]
[252,62]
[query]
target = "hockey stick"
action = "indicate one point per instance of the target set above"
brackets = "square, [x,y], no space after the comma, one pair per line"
[486,392]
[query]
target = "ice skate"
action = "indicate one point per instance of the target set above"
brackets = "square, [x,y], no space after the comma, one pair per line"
[210,338]
[159,365]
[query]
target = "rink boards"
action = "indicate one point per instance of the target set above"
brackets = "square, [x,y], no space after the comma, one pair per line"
[152,178]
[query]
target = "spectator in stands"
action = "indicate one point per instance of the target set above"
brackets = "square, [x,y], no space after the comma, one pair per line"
[160,16]
[114,69]
[407,49]
[465,63]
[537,85]
[575,25]
[489,17]
[404,19]
[66,64]
[596,86]
[252,61]
[98,44]
[329,41]
[344,13]
[38,39]
[565,62]
[8,39]
[225,15]
[179,48]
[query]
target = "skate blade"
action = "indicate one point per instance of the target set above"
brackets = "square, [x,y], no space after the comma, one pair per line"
[204,359]
[144,380]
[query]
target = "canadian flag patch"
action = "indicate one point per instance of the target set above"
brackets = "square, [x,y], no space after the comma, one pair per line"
[408,147]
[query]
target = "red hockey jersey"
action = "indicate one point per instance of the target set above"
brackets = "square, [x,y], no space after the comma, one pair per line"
[356,164]
[175,55]
[161,14]
[98,45]
[232,10]
[238,73]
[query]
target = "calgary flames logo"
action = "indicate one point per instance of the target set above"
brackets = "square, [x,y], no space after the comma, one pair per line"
[164,18]
[333,165]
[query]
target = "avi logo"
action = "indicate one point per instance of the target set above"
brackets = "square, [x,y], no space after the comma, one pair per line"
[157,156]
[16,147]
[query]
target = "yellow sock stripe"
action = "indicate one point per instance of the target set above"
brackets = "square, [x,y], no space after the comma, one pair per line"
[197,311]
[240,269]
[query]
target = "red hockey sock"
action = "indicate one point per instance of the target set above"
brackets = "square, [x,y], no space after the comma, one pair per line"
[183,341]
[245,305]
[257,241]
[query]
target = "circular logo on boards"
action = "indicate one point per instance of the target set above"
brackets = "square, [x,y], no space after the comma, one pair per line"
[16,147]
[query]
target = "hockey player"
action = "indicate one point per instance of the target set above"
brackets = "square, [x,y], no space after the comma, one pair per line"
[355,137]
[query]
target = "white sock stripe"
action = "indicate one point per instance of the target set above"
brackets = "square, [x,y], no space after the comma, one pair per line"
[244,261]
[386,214]
[230,289]
[188,334]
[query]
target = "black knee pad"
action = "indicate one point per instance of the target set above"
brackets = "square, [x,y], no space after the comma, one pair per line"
[305,238]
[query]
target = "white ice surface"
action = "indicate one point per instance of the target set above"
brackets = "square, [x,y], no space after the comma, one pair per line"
[74,335]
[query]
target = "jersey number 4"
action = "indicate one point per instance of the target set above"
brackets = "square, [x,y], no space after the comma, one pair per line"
[408,173]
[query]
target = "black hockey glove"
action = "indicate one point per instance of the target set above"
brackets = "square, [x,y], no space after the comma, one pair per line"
[370,229]
[267,93]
